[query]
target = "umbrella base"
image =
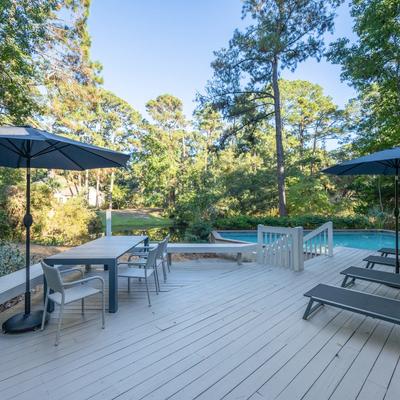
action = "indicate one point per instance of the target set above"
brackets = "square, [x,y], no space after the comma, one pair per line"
[24,322]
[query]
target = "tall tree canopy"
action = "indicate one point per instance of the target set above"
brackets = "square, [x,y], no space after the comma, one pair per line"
[372,65]
[245,86]
[25,35]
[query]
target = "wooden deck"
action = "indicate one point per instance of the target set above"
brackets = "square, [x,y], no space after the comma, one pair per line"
[217,331]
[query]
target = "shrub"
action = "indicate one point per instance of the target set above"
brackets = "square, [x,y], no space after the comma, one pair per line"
[11,258]
[69,224]
[306,221]
[198,231]
[54,223]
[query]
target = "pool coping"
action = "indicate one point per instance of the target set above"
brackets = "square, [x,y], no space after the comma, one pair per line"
[215,237]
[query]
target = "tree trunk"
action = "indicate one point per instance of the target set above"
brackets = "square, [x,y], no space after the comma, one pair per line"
[280,159]
[314,149]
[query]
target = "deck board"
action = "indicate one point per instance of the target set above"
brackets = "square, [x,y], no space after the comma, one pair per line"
[216,331]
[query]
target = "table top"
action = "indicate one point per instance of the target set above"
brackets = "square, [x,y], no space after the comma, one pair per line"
[107,248]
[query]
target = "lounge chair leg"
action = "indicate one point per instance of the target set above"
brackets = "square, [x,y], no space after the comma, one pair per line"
[83,306]
[310,309]
[129,284]
[345,283]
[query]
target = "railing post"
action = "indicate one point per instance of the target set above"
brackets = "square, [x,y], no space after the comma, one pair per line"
[297,249]
[108,223]
[330,239]
[260,243]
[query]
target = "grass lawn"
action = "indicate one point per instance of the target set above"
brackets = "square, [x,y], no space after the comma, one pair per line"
[136,219]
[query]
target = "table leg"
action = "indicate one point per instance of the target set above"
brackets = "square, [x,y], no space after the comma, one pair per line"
[112,287]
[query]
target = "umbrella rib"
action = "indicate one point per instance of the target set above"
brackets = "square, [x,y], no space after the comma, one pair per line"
[17,150]
[349,169]
[104,158]
[48,150]
[8,148]
[70,159]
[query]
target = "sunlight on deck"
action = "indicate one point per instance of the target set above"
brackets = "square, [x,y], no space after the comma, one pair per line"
[217,331]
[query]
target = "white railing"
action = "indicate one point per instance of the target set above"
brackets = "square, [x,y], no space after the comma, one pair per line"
[319,242]
[281,247]
[289,247]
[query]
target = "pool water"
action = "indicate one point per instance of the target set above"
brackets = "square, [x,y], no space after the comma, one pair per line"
[368,240]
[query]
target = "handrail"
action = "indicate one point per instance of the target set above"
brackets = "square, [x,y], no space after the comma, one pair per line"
[280,246]
[319,241]
[289,247]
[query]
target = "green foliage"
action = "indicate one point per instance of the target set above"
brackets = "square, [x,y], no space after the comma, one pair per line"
[53,222]
[11,258]
[68,224]
[307,221]
[198,231]
[126,220]
[24,35]
[372,66]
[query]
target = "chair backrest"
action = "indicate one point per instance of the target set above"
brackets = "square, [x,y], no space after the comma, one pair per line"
[163,247]
[152,256]
[166,240]
[53,278]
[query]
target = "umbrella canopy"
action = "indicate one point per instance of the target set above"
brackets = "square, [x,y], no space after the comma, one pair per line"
[18,144]
[28,147]
[385,162]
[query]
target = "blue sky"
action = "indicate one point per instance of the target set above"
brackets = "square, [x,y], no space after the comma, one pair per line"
[151,47]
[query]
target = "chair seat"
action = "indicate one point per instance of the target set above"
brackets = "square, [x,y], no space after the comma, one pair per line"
[130,272]
[74,293]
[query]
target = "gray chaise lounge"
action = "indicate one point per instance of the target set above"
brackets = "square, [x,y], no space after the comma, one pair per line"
[362,303]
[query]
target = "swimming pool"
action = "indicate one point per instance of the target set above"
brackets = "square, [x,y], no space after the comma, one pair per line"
[369,240]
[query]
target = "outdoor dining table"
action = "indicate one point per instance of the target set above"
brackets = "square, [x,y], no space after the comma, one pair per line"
[104,251]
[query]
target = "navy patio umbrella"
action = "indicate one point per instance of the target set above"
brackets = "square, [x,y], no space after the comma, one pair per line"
[28,147]
[385,162]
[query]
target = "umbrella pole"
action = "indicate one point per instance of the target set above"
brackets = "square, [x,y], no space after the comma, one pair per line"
[26,321]
[28,223]
[396,215]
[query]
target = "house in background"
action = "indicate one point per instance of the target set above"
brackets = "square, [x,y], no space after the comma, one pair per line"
[66,193]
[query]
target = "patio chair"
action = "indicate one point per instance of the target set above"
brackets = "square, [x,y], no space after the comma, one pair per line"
[68,292]
[142,270]
[162,256]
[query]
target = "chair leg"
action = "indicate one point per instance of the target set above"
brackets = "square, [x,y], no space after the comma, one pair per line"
[129,284]
[157,279]
[83,306]
[155,283]
[148,294]
[59,323]
[164,270]
[169,261]
[103,311]
[44,311]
